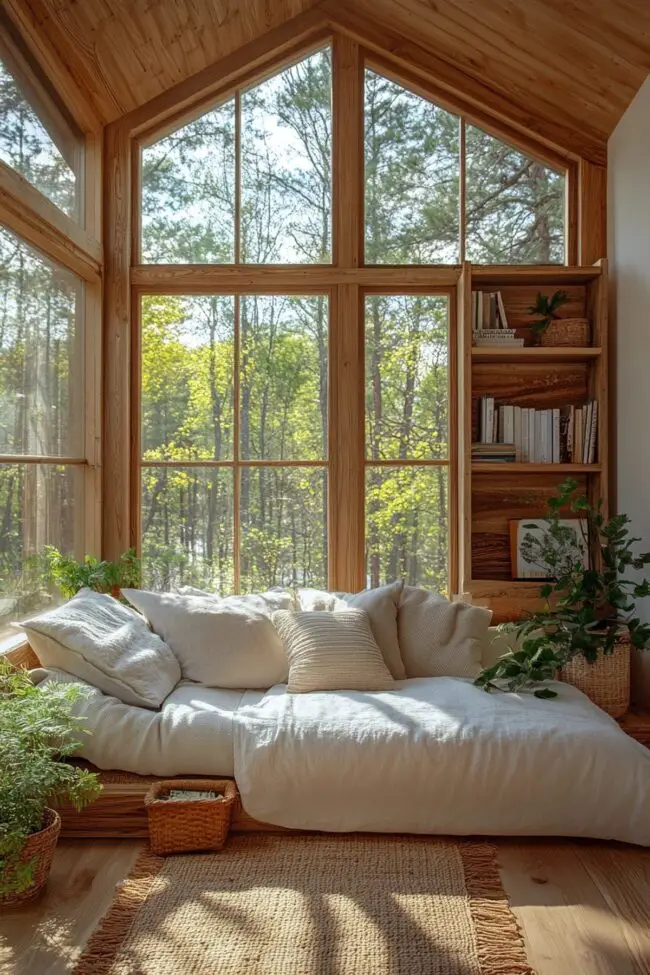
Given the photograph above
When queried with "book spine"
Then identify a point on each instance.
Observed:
(489, 420)
(587, 433)
(556, 436)
(594, 433)
(525, 452)
(501, 427)
(532, 429)
(517, 433)
(502, 311)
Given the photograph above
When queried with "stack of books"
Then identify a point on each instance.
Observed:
(565, 435)
(490, 322)
(495, 453)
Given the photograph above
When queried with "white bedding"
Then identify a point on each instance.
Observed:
(192, 733)
(439, 755)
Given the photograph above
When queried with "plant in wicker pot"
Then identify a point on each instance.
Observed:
(588, 623)
(551, 329)
(37, 730)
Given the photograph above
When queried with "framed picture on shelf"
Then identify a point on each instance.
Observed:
(526, 536)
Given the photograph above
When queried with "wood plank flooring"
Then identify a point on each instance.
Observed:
(584, 907)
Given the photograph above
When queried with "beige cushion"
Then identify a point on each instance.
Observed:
(218, 642)
(332, 651)
(380, 604)
(106, 644)
(438, 638)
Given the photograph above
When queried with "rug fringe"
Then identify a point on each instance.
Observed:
(500, 943)
(102, 949)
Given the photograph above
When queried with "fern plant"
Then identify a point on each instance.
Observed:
(102, 576)
(586, 610)
(37, 730)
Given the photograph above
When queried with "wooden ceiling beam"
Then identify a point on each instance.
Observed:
(472, 96)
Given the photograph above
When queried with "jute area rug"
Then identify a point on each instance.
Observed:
(312, 905)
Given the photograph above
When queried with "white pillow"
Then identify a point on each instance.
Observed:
(380, 604)
(106, 644)
(438, 638)
(332, 651)
(218, 642)
(264, 602)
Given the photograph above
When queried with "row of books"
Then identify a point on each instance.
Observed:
(488, 311)
(565, 435)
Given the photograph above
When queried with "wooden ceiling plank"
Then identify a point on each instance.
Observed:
(482, 49)
(247, 60)
(84, 111)
(465, 90)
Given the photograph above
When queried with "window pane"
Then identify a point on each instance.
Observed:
(41, 354)
(188, 193)
(407, 526)
(515, 205)
(286, 166)
(407, 377)
(186, 524)
(187, 377)
(27, 146)
(41, 505)
(283, 386)
(283, 527)
(411, 177)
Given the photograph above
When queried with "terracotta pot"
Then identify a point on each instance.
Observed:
(567, 331)
(39, 846)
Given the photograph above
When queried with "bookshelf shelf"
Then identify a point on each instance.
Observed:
(534, 354)
(492, 494)
(487, 467)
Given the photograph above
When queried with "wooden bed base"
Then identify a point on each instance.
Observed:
(119, 812)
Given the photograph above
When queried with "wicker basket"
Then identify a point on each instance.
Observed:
(567, 331)
(606, 682)
(39, 846)
(198, 824)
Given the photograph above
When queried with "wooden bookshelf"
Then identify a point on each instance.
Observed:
(491, 494)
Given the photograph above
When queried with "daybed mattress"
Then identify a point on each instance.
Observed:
(439, 755)
(191, 734)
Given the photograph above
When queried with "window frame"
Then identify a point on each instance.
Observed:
(348, 279)
(74, 245)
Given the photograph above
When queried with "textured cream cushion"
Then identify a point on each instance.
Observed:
(438, 638)
(101, 641)
(332, 651)
(380, 604)
(218, 642)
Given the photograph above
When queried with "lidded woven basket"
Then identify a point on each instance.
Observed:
(178, 826)
(567, 331)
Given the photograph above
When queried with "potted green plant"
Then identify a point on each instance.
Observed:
(38, 730)
(102, 576)
(551, 329)
(589, 619)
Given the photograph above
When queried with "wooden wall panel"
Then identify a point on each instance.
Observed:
(543, 386)
(592, 212)
(496, 501)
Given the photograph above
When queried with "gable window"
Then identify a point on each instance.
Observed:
(37, 138)
(512, 210)
(249, 181)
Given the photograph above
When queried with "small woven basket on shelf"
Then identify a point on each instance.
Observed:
(39, 847)
(567, 331)
(177, 826)
(607, 681)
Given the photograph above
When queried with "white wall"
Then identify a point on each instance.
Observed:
(629, 255)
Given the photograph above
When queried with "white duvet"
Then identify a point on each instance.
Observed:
(439, 755)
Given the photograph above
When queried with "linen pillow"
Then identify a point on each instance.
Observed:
(381, 605)
(101, 641)
(438, 638)
(332, 651)
(264, 602)
(218, 643)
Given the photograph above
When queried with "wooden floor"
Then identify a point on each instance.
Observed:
(584, 907)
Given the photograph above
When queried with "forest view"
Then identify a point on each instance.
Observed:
(234, 388)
